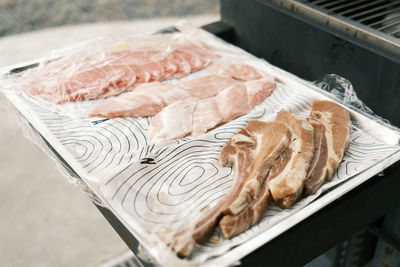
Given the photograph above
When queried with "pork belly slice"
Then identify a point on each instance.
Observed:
(242, 72)
(232, 102)
(332, 130)
(258, 139)
(232, 225)
(287, 177)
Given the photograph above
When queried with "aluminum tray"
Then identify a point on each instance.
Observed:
(381, 142)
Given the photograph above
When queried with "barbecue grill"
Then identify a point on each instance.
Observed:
(359, 40)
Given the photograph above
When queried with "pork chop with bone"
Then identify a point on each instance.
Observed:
(251, 153)
(331, 123)
(287, 177)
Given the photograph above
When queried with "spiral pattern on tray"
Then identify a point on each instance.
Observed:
(173, 183)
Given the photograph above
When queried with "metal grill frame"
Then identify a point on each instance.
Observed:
(364, 35)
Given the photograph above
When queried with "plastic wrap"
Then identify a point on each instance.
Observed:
(150, 187)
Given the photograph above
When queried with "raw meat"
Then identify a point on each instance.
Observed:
(232, 225)
(263, 143)
(332, 123)
(286, 179)
(230, 103)
(148, 99)
(111, 73)
(166, 126)
(241, 72)
(244, 153)
(205, 117)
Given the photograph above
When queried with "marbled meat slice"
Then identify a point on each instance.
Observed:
(183, 67)
(232, 102)
(170, 67)
(183, 241)
(265, 147)
(193, 60)
(91, 77)
(332, 123)
(287, 177)
(206, 86)
(241, 72)
(148, 99)
(259, 90)
(232, 225)
(174, 122)
(240, 152)
(227, 105)
(206, 116)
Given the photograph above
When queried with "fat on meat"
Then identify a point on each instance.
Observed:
(230, 103)
(287, 177)
(92, 77)
(241, 72)
(332, 126)
(244, 154)
(150, 98)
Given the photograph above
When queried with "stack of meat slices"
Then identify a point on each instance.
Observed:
(192, 106)
(279, 161)
(93, 76)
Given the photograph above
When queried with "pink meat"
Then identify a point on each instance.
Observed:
(159, 95)
(258, 90)
(91, 77)
(183, 67)
(205, 117)
(241, 72)
(230, 103)
(167, 126)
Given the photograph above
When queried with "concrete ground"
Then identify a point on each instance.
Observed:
(44, 220)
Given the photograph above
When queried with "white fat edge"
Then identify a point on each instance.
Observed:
(295, 146)
(173, 126)
(325, 119)
(306, 125)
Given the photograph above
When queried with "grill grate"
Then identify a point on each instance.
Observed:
(379, 15)
(373, 24)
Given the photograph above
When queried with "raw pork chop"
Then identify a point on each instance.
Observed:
(241, 72)
(232, 225)
(252, 149)
(286, 179)
(332, 125)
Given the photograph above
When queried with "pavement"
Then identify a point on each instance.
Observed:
(45, 221)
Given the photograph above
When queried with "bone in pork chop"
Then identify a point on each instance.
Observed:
(286, 179)
(251, 152)
(332, 126)
(232, 225)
